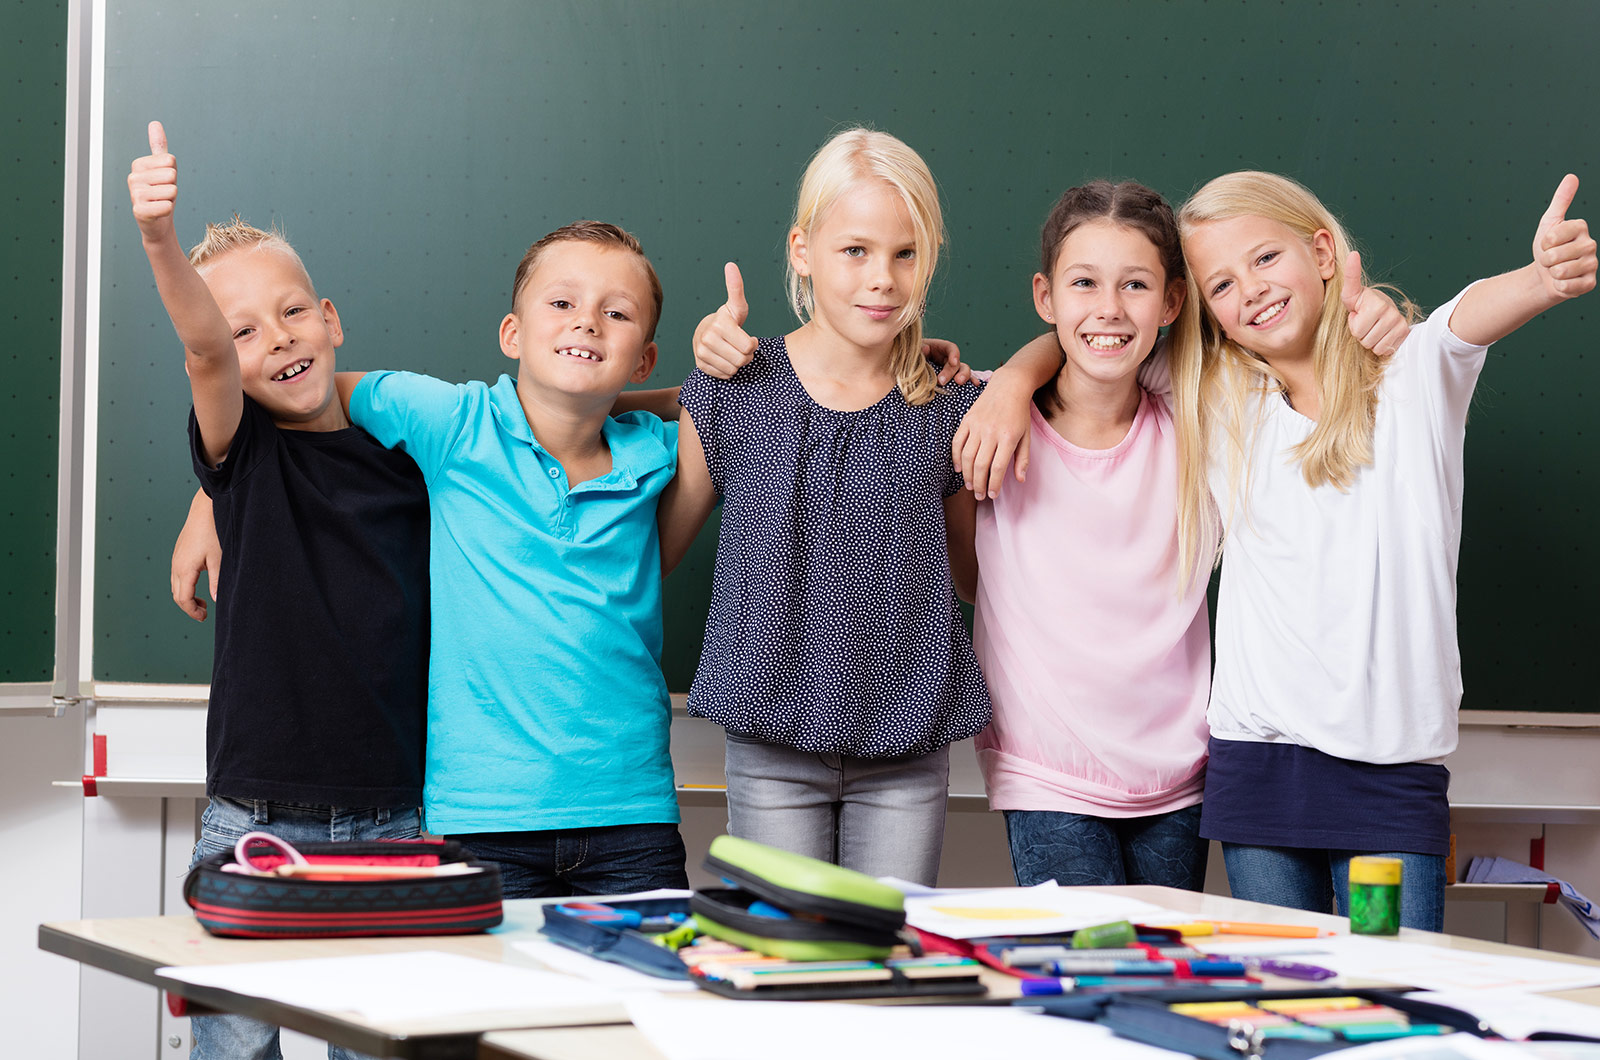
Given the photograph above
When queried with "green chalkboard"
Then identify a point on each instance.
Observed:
(33, 54)
(412, 150)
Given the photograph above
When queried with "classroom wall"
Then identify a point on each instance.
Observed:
(413, 155)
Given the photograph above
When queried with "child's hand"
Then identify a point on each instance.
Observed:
(946, 357)
(1375, 320)
(1563, 250)
(994, 430)
(197, 549)
(153, 187)
(721, 346)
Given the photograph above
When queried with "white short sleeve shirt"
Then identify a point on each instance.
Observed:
(1336, 618)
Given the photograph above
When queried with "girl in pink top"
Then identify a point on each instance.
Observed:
(1096, 651)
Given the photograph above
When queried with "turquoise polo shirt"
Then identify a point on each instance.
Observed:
(546, 703)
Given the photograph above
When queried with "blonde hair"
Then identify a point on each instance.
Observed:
(239, 234)
(851, 157)
(1227, 381)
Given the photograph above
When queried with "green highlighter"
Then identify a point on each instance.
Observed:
(1105, 936)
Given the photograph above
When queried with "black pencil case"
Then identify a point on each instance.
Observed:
(1144, 1017)
(238, 905)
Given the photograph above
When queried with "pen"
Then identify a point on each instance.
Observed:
(1068, 984)
(1173, 969)
(1041, 954)
(1235, 927)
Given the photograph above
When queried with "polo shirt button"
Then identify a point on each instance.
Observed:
(555, 472)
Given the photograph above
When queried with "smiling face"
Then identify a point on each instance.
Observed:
(582, 321)
(1108, 296)
(284, 335)
(861, 259)
(1263, 284)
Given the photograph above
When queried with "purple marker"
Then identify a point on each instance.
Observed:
(1288, 969)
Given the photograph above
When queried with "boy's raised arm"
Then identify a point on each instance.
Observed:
(1563, 267)
(212, 364)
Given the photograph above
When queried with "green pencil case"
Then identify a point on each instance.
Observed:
(791, 906)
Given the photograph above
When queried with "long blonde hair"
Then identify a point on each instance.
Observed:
(848, 159)
(1226, 382)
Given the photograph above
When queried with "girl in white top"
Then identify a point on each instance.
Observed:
(1338, 476)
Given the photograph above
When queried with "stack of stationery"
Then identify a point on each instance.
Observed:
(729, 970)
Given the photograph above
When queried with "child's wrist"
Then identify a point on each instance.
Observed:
(158, 240)
(1007, 383)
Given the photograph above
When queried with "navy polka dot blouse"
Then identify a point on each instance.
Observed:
(833, 626)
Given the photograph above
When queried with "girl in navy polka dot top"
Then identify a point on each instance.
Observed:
(835, 655)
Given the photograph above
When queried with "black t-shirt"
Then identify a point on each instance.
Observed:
(320, 677)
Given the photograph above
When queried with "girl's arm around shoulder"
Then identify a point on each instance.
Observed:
(997, 426)
(960, 525)
(1563, 267)
(688, 499)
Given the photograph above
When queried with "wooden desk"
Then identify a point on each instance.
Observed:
(136, 947)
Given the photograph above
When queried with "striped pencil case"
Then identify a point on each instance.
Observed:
(343, 890)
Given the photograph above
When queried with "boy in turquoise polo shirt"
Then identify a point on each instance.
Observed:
(547, 711)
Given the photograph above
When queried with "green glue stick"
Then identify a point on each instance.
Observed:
(1375, 896)
(1105, 936)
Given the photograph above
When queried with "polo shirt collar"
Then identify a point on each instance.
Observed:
(636, 450)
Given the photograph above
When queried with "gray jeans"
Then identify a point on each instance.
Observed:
(880, 816)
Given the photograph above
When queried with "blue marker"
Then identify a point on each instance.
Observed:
(1180, 969)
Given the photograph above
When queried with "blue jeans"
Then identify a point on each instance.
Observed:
(558, 862)
(880, 816)
(1319, 880)
(221, 824)
(1078, 850)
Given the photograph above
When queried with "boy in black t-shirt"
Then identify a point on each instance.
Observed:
(319, 682)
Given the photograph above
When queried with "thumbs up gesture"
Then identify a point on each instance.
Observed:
(153, 187)
(721, 345)
(1375, 320)
(1563, 250)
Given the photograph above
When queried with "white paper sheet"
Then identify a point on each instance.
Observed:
(1517, 1015)
(778, 1030)
(1426, 967)
(422, 985)
(1041, 910)
(1466, 1047)
(570, 962)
